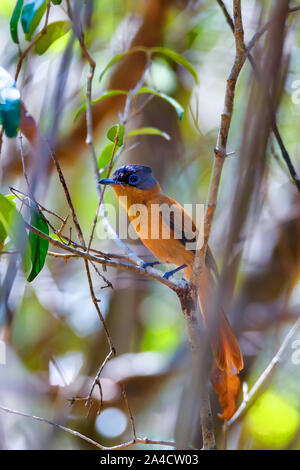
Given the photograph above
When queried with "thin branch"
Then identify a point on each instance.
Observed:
(108, 283)
(249, 396)
(124, 119)
(250, 45)
(226, 14)
(17, 192)
(68, 197)
(96, 381)
(221, 147)
(110, 165)
(130, 414)
(124, 445)
(82, 241)
(199, 260)
(174, 284)
(78, 32)
(90, 142)
(294, 9)
(22, 55)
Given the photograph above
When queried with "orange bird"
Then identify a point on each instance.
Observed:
(168, 239)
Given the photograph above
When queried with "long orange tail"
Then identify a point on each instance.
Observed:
(228, 356)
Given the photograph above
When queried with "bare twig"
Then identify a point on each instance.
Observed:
(130, 414)
(25, 197)
(199, 261)
(250, 45)
(174, 284)
(221, 147)
(124, 445)
(249, 396)
(90, 282)
(96, 381)
(294, 9)
(124, 118)
(22, 55)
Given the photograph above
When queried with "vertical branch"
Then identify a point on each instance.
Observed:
(221, 147)
(198, 343)
(200, 361)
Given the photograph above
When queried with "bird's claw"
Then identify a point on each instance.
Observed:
(149, 263)
(170, 273)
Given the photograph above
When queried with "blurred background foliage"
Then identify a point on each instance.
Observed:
(54, 339)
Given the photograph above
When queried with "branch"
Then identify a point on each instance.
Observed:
(138, 440)
(266, 373)
(22, 55)
(199, 260)
(199, 346)
(294, 9)
(124, 119)
(90, 282)
(132, 423)
(174, 284)
(221, 147)
(250, 45)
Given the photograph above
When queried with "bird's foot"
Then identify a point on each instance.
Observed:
(149, 263)
(170, 273)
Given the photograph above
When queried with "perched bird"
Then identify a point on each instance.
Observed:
(135, 187)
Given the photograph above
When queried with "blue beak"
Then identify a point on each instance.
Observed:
(107, 181)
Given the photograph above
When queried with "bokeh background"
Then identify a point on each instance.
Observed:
(54, 339)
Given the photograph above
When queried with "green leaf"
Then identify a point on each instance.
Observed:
(56, 2)
(106, 94)
(179, 59)
(13, 224)
(54, 31)
(39, 246)
(118, 57)
(148, 131)
(10, 110)
(178, 108)
(31, 16)
(15, 20)
(105, 156)
(116, 134)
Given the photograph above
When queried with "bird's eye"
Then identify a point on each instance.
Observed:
(134, 179)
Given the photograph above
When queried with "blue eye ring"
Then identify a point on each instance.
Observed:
(134, 179)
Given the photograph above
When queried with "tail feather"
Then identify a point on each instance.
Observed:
(227, 351)
(228, 357)
(223, 341)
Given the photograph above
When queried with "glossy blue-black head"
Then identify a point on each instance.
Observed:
(137, 176)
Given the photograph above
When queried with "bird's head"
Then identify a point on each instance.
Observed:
(131, 177)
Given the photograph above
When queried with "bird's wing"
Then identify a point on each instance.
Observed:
(184, 228)
(179, 221)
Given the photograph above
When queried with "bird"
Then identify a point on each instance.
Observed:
(136, 187)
